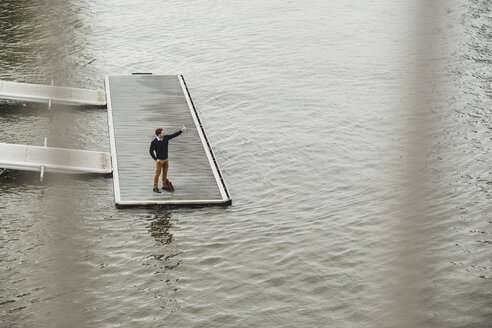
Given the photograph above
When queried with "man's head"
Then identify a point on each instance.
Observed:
(159, 132)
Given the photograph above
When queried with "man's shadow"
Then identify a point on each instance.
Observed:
(159, 227)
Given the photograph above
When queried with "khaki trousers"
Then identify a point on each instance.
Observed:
(161, 164)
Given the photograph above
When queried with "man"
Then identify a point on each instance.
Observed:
(159, 146)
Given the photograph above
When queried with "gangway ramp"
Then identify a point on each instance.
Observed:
(51, 94)
(139, 104)
(51, 159)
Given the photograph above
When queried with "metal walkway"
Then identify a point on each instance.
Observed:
(50, 159)
(137, 105)
(51, 94)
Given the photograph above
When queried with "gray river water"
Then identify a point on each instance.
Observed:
(354, 136)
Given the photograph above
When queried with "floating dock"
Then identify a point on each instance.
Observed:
(139, 104)
(51, 159)
(51, 94)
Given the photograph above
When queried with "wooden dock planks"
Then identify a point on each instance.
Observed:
(137, 105)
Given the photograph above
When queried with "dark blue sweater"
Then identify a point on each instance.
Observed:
(160, 147)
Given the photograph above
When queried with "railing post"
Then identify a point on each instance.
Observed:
(49, 100)
(41, 177)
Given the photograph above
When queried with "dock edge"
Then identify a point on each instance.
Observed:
(224, 191)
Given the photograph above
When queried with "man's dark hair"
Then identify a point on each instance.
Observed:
(158, 131)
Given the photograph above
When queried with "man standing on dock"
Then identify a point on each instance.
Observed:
(160, 145)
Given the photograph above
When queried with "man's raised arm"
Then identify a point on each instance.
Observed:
(176, 133)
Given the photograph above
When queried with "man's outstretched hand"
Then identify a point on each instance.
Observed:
(183, 129)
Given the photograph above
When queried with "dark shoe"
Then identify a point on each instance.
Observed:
(156, 190)
(166, 189)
